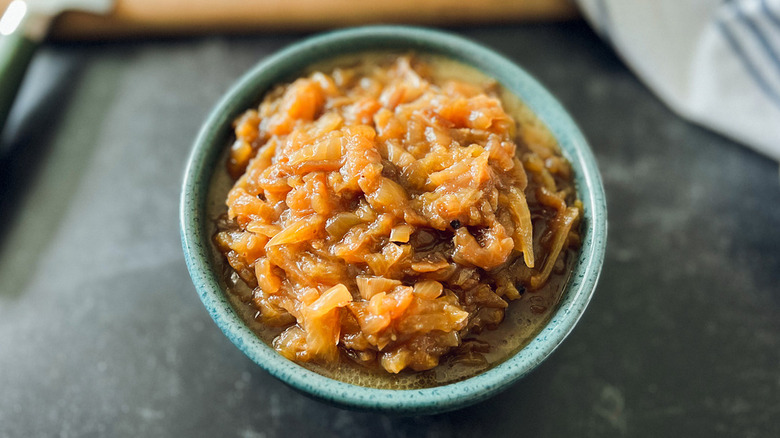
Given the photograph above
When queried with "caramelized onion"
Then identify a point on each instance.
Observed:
(382, 214)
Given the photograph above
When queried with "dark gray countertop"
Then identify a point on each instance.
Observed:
(102, 333)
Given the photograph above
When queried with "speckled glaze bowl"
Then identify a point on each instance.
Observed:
(204, 265)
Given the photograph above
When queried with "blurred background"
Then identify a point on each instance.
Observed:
(102, 333)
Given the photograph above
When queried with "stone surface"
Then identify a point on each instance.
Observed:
(102, 333)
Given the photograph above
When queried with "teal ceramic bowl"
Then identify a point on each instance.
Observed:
(204, 265)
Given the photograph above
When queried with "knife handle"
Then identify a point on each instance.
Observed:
(17, 46)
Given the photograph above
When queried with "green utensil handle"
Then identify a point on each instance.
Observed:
(16, 51)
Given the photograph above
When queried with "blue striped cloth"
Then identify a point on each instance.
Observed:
(714, 62)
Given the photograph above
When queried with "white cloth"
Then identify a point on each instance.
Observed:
(714, 62)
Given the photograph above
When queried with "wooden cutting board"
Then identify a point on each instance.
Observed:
(181, 17)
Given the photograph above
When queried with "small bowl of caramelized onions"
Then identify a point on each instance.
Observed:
(393, 219)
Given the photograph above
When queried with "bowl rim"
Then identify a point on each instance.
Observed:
(293, 59)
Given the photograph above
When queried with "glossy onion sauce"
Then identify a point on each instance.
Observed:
(394, 221)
